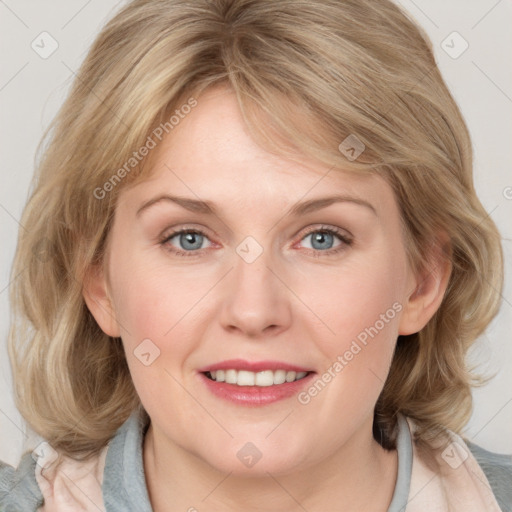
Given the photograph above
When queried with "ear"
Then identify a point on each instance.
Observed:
(96, 296)
(429, 287)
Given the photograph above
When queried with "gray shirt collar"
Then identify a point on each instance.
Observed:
(124, 483)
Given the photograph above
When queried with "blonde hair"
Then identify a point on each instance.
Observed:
(306, 76)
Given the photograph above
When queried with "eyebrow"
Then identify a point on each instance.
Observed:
(208, 208)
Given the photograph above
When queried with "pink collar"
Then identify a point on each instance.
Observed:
(445, 478)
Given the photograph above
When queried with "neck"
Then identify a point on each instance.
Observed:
(360, 475)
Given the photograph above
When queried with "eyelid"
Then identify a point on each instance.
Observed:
(169, 233)
(341, 233)
(183, 228)
(344, 236)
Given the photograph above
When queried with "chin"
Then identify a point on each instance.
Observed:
(254, 459)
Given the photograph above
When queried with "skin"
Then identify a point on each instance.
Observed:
(293, 303)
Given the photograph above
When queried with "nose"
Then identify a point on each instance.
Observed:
(256, 299)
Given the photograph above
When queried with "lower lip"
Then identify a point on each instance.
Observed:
(255, 395)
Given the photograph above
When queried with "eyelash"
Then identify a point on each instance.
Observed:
(346, 241)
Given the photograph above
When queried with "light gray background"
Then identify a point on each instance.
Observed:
(32, 89)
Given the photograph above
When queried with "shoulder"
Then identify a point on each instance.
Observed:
(498, 470)
(473, 475)
(18, 487)
(113, 477)
(49, 480)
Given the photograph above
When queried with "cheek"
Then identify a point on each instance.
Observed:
(150, 299)
(357, 357)
(369, 291)
(160, 311)
(151, 311)
(362, 307)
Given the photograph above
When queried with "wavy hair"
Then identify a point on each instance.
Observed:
(307, 74)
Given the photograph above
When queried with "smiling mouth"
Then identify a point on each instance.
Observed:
(264, 378)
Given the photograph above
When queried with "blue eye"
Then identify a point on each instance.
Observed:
(322, 240)
(190, 241)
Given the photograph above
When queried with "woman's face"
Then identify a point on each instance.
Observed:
(278, 271)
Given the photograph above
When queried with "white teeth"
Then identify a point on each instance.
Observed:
(264, 378)
(290, 376)
(280, 377)
(245, 378)
(231, 376)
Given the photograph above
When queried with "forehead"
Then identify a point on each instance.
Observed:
(211, 154)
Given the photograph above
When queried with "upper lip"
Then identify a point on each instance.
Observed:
(253, 366)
